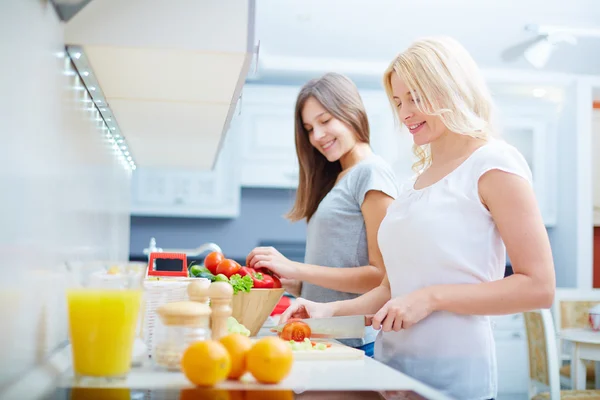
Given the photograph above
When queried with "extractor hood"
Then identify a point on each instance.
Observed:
(171, 72)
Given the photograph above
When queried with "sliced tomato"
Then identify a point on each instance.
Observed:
(296, 331)
(328, 345)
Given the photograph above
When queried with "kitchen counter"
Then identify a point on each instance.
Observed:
(306, 377)
(347, 375)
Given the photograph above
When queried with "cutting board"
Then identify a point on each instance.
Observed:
(337, 351)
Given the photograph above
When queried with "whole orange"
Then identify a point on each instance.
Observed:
(237, 346)
(206, 363)
(270, 360)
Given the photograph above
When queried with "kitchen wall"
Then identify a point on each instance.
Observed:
(63, 195)
(261, 219)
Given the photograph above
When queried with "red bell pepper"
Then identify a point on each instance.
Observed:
(246, 271)
(276, 282)
(262, 281)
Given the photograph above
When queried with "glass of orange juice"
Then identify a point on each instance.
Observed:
(103, 305)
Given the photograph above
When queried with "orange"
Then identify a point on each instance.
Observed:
(270, 360)
(206, 363)
(238, 346)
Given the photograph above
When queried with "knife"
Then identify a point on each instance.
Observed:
(347, 327)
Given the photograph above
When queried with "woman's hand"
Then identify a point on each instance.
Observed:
(403, 312)
(271, 259)
(302, 308)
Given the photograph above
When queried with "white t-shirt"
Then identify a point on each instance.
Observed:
(443, 234)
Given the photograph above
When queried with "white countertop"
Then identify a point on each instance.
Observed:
(354, 375)
(306, 376)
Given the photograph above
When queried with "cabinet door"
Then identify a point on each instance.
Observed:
(269, 154)
(596, 165)
(530, 137)
(269, 150)
(189, 193)
(511, 354)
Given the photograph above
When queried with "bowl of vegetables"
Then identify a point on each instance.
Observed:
(255, 293)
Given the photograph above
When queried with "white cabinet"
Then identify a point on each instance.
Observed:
(268, 154)
(511, 354)
(596, 164)
(191, 193)
(533, 138)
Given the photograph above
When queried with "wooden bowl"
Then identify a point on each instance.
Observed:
(252, 309)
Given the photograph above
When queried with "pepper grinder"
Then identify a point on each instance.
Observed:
(220, 294)
(197, 291)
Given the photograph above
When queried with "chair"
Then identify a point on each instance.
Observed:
(544, 362)
(570, 310)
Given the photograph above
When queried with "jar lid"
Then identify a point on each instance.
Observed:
(185, 313)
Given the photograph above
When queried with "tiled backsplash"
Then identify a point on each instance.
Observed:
(63, 195)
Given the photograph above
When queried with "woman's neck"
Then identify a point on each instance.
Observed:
(452, 146)
(359, 152)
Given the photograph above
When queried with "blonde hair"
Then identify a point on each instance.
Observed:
(339, 96)
(443, 75)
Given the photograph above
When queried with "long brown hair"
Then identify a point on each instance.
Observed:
(340, 97)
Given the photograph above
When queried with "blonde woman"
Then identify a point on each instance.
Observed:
(444, 239)
(343, 193)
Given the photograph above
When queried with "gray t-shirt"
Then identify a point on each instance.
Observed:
(336, 233)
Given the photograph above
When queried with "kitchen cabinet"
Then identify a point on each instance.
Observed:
(173, 192)
(511, 355)
(268, 153)
(596, 164)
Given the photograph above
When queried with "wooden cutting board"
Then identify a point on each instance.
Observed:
(337, 351)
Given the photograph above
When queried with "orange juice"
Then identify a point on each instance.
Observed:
(102, 324)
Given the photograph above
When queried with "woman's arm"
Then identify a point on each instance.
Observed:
(352, 280)
(513, 206)
(366, 304)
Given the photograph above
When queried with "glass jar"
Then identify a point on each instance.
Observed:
(181, 324)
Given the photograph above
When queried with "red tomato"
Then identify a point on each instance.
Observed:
(211, 262)
(296, 331)
(276, 282)
(246, 271)
(228, 267)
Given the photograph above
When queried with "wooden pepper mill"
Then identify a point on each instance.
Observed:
(221, 294)
(197, 291)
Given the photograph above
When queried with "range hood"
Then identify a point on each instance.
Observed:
(171, 72)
